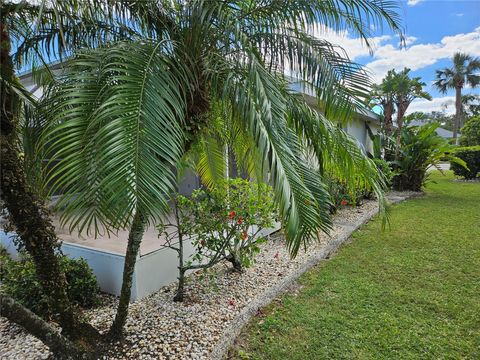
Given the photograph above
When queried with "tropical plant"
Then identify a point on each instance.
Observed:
(420, 149)
(406, 90)
(383, 96)
(465, 71)
(20, 281)
(38, 31)
(223, 224)
(471, 132)
(471, 156)
(117, 130)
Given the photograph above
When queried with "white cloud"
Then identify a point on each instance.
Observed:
(419, 56)
(413, 2)
(387, 55)
(459, 14)
(445, 103)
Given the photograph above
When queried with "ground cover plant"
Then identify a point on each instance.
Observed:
(410, 292)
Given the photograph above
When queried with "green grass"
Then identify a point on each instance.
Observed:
(410, 292)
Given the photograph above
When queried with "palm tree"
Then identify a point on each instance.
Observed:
(122, 116)
(406, 90)
(39, 31)
(465, 71)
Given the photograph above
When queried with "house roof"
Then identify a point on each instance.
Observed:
(446, 134)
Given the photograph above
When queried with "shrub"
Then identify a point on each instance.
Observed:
(19, 280)
(420, 148)
(385, 170)
(223, 224)
(471, 132)
(471, 156)
(341, 194)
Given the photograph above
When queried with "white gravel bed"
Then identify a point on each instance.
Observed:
(159, 328)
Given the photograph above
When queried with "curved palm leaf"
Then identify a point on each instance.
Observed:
(116, 132)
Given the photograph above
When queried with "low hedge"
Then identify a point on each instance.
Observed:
(19, 280)
(471, 156)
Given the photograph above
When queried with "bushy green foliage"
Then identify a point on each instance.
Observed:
(471, 132)
(420, 148)
(386, 170)
(471, 156)
(224, 222)
(19, 280)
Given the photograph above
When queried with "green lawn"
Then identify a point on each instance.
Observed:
(410, 292)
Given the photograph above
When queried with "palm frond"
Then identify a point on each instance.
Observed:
(116, 134)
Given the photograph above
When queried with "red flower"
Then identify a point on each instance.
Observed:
(240, 220)
(231, 214)
(244, 235)
(277, 256)
(344, 202)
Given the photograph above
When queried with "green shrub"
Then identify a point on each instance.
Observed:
(471, 132)
(19, 280)
(341, 194)
(386, 170)
(471, 156)
(420, 148)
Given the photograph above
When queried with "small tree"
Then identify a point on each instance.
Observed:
(223, 224)
(420, 148)
(471, 132)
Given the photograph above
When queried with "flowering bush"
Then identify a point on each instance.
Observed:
(223, 224)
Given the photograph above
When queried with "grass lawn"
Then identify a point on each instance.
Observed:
(410, 292)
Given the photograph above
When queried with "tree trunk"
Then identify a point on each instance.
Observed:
(179, 295)
(133, 246)
(388, 114)
(402, 108)
(458, 112)
(60, 346)
(26, 210)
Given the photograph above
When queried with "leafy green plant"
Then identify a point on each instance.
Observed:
(471, 157)
(20, 281)
(222, 223)
(385, 170)
(471, 132)
(420, 148)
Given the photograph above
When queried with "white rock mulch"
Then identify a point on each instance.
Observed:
(218, 303)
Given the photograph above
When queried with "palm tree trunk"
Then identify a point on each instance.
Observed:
(133, 246)
(26, 210)
(458, 112)
(60, 346)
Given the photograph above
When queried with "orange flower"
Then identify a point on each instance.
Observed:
(344, 202)
(231, 214)
(244, 235)
(240, 220)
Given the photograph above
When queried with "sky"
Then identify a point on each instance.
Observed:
(435, 30)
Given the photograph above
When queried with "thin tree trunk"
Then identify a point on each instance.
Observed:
(60, 346)
(402, 108)
(26, 211)
(458, 112)
(134, 240)
(179, 295)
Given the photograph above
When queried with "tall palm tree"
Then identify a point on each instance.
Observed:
(406, 90)
(122, 116)
(465, 71)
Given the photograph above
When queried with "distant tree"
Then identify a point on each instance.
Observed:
(471, 132)
(382, 95)
(465, 71)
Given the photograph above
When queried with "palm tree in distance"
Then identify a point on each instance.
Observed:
(465, 71)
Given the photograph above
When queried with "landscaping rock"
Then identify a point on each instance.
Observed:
(215, 308)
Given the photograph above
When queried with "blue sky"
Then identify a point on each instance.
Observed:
(435, 29)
